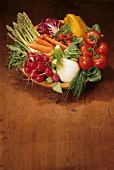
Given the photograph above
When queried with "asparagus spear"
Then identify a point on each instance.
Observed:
(23, 32)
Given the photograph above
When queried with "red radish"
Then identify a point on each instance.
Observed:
(38, 58)
(41, 66)
(48, 71)
(55, 77)
(39, 78)
(45, 58)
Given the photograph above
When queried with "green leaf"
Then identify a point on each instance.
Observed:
(57, 87)
(57, 53)
(77, 40)
(49, 80)
(87, 29)
(93, 74)
(64, 30)
(17, 57)
(72, 51)
(96, 27)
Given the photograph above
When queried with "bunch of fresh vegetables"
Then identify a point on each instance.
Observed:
(57, 52)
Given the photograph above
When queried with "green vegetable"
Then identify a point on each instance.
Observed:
(57, 87)
(72, 51)
(66, 68)
(78, 84)
(17, 57)
(95, 27)
(23, 31)
(93, 74)
(49, 80)
(64, 30)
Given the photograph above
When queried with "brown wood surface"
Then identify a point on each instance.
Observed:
(38, 129)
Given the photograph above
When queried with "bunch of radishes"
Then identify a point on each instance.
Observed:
(39, 68)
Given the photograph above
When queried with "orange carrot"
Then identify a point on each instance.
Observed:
(48, 54)
(41, 36)
(43, 42)
(53, 41)
(41, 48)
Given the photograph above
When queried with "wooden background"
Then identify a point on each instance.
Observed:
(38, 129)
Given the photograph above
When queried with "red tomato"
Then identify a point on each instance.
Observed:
(100, 61)
(69, 36)
(86, 50)
(60, 36)
(85, 62)
(92, 38)
(102, 49)
(68, 42)
(61, 41)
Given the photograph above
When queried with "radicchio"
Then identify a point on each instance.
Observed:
(49, 26)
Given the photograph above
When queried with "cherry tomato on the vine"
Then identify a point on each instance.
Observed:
(103, 48)
(61, 36)
(69, 36)
(100, 61)
(85, 62)
(86, 50)
(61, 41)
(92, 38)
(68, 42)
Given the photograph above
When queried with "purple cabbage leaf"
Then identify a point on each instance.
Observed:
(49, 26)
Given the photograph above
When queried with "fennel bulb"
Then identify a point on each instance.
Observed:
(67, 69)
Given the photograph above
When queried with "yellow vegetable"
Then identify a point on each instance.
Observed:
(65, 20)
(82, 22)
(76, 23)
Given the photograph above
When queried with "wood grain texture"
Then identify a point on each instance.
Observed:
(38, 129)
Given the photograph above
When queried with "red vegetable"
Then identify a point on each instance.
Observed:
(49, 26)
(39, 78)
(103, 48)
(100, 61)
(69, 36)
(68, 42)
(86, 50)
(92, 38)
(48, 71)
(61, 36)
(85, 62)
(42, 29)
(55, 77)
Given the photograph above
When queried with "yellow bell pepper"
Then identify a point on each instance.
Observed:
(82, 22)
(76, 23)
(65, 20)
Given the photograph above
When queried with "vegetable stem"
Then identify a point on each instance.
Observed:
(19, 42)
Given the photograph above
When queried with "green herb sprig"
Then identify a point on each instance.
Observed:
(78, 84)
